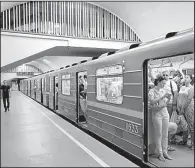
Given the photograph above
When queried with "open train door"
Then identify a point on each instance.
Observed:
(27, 87)
(41, 90)
(55, 93)
(81, 97)
(35, 88)
(30, 88)
(164, 127)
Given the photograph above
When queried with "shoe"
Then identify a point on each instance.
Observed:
(8, 109)
(161, 158)
(170, 148)
(5, 110)
(167, 156)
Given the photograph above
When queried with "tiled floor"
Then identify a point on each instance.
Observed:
(29, 138)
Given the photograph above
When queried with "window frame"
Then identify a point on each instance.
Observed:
(110, 76)
(67, 78)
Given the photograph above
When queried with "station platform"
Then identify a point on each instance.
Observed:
(32, 135)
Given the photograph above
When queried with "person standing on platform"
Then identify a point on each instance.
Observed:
(6, 95)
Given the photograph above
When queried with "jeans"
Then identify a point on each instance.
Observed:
(160, 121)
(4, 102)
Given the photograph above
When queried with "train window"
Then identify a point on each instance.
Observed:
(66, 84)
(109, 86)
(109, 89)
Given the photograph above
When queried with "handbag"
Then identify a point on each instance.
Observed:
(181, 123)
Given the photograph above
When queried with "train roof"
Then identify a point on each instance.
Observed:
(132, 46)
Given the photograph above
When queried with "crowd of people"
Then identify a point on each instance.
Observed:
(171, 102)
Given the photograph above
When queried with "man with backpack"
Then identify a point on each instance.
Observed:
(171, 88)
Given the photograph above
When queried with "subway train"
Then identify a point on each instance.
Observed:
(116, 91)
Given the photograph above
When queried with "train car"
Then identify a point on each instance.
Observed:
(115, 105)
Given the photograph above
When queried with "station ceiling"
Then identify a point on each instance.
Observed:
(148, 19)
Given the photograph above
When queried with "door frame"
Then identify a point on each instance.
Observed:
(77, 97)
(145, 103)
(41, 90)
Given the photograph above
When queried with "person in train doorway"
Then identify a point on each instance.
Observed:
(185, 106)
(172, 89)
(6, 95)
(159, 99)
(56, 96)
(82, 94)
(18, 82)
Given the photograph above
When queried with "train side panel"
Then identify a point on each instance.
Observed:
(67, 103)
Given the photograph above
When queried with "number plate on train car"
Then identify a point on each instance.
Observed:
(131, 127)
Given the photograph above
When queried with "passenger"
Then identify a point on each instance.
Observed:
(158, 99)
(81, 88)
(178, 78)
(185, 106)
(85, 82)
(171, 88)
(6, 95)
(82, 94)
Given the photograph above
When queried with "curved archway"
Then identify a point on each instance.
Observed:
(70, 19)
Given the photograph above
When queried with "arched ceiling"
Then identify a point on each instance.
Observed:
(148, 19)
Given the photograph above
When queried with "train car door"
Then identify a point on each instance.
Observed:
(165, 131)
(81, 80)
(30, 88)
(41, 90)
(27, 87)
(35, 88)
(55, 93)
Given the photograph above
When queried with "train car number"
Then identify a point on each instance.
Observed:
(132, 128)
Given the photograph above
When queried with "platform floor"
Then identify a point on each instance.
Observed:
(31, 135)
